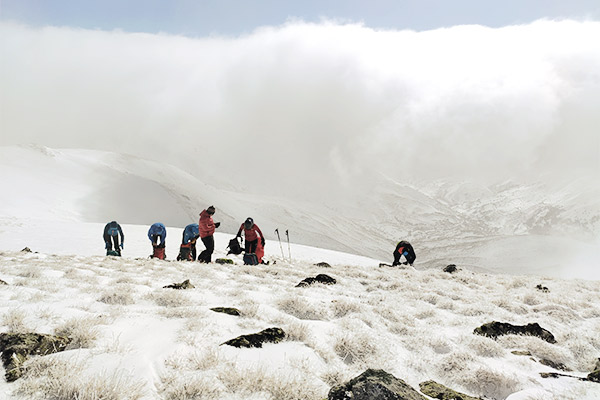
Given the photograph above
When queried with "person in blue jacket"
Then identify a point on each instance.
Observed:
(157, 231)
(112, 230)
(191, 234)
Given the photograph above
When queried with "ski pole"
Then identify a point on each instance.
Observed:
(280, 246)
(288, 240)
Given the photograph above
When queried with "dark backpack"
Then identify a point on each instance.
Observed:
(234, 246)
(250, 259)
(184, 253)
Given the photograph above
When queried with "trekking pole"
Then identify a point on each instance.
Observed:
(280, 246)
(288, 240)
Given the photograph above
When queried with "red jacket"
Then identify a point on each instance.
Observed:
(206, 225)
(250, 234)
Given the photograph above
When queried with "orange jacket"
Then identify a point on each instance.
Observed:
(206, 225)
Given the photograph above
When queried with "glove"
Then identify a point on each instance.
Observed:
(217, 224)
(122, 244)
(262, 242)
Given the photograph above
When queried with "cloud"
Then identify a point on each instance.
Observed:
(316, 109)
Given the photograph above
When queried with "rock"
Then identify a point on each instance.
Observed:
(495, 329)
(17, 347)
(594, 376)
(321, 278)
(552, 364)
(224, 261)
(183, 285)
(270, 335)
(227, 310)
(2, 282)
(450, 268)
(521, 353)
(542, 288)
(323, 265)
(441, 392)
(597, 366)
(26, 250)
(374, 384)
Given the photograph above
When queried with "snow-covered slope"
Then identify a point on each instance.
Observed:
(135, 340)
(523, 228)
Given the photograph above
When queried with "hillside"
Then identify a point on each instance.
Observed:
(508, 227)
(133, 339)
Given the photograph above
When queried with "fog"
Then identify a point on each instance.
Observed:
(316, 109)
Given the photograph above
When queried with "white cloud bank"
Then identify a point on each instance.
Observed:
(304, 106)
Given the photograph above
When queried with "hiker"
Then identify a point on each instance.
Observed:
(187, 250)
(157, 231)
(206, 229)
(250, 233)
(404, 249)
(111, 235)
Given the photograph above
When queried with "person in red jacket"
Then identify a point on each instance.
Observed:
(250, 232)
(206, 229)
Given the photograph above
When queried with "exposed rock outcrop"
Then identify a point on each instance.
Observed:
(2, 282)
(183, 285)
(441, 392)
(17, 347)
(495, 329)
(374, 384)
(321, 278)
(323, 265)
(270, 335)
(227, 310)
(450, 268)
(542, 288)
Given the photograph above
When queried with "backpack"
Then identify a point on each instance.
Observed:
(184, 253)
(250, 259)
(159, 252)
(234, 246)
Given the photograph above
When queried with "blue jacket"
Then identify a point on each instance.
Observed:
(113, 229)
(191, 231)
(157, 229)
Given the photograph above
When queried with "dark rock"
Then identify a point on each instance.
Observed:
(2, 282)
(542, 288)
(597, 366)
(227, 310)
(270, 335)
(552, 364)
(495, 329)
(450, 268)
(441, 392)
(17, 347)
(321, 278)
(594, 376)
(26, 250)
(183, 285)
(224, 261)
(521, 353)
(374, 384)
(323, 265)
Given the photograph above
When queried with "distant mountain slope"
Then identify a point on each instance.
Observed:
(94, 186)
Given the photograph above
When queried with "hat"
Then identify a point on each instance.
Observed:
(211, 210)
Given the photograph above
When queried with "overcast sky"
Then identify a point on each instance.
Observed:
(235, 17)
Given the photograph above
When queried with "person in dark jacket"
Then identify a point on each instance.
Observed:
(187, 250)
(157, 231)
(251, 233)
(405, 249)
(112, 230)
(206, 229)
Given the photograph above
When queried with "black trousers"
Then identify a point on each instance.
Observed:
(109, 243)
(410, 257)
(206, 255)
(250, 247)
(155, 241)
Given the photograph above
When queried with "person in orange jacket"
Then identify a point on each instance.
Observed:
(206, 229)
(251, 233)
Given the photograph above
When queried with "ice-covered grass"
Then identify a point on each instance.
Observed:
(134, 337)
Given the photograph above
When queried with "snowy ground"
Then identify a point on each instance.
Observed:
(134, 339)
